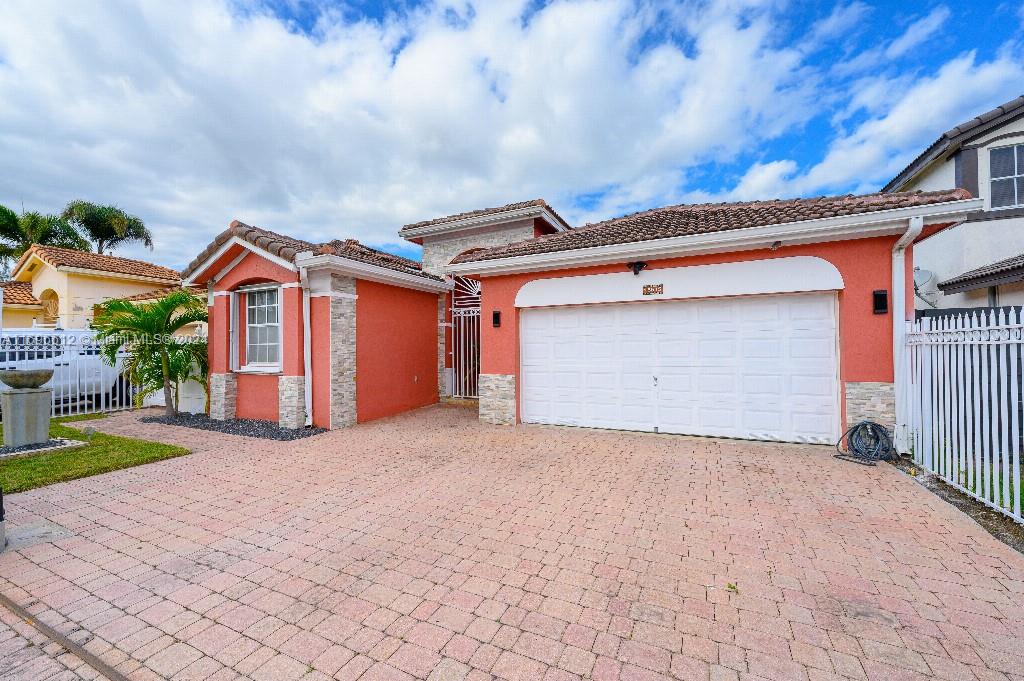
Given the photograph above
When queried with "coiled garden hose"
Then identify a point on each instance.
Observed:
(866, 443)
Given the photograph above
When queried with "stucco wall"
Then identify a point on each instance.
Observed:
(396, 349)
(85, 292)
(20, 319)
(968, 246)
(865, 338)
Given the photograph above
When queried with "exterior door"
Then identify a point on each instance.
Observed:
(758, 367)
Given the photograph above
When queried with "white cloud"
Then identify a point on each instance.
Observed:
(193, 113)
(918, 32)
(196, 112)
(876, 149)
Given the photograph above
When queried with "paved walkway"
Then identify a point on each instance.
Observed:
(430, 546)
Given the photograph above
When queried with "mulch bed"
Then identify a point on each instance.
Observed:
(246, 427)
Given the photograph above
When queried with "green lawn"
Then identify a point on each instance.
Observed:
(104, 453)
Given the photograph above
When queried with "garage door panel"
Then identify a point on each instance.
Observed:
(757, 367)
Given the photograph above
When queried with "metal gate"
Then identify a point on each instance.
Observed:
(466, 338)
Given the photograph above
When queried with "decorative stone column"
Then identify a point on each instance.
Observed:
(498, 399)
(871, 401)
(343, 351)
(291, 401)
(26, 416)
(223, 396)
(442, 309)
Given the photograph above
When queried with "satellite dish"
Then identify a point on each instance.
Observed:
(926, 286)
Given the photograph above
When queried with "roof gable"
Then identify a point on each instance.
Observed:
(285, 249)
(952, 139)
(481, 216)
(64, 259)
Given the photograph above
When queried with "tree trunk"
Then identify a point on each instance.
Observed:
(165, 363)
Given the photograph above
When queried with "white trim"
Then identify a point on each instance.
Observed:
(798, 274)
(233, 330)
(264, 286)
(259, 369)
(265, 367)
(360, 270)
(486, 220)
(307, 350)
(899, 328)
(237, 241)
(218, 294)
(880, 223)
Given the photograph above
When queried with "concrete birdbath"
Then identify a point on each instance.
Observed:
(26, 406)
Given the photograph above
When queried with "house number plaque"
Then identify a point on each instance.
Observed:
(653, 289)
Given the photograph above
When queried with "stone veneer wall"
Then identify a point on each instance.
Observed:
(871, 401)
(442, 306)
(439, 251)
(291, 401)
(343, 352)
(498, 399)
(223, 396)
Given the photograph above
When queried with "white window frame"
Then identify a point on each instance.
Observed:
(1018, 174)
(236, 321)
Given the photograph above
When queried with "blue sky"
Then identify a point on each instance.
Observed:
(348, 119)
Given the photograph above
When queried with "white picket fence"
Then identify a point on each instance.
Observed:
(82, 381)
(963, 403)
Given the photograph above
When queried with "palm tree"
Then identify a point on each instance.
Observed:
(19, 232)
(107, 226)
(156, 358)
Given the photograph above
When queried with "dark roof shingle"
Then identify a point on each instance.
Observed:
(982, 274)
(691, 219)
(66, 257)
(480, 212)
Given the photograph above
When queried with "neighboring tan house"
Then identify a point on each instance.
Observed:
(53, 286)
(154, 295)
(765, 320)
(971, 265)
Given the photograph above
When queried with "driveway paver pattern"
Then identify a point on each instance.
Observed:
(430, 546)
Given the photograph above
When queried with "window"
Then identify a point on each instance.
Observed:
(1007, 173)
(263, 330)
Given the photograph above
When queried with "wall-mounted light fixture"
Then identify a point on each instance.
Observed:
(496, 318)
(637, 266)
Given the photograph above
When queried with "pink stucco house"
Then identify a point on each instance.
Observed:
(772, 320)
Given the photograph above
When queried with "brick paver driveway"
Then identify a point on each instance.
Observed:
(429, 546)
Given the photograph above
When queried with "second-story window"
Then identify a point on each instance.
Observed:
(1006, 165)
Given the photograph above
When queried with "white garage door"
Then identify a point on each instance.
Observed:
(759, 367)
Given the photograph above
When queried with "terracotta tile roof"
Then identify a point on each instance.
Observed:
(66, 257)
(287, 248)
(18, 293)
(1004, 271)
(276, 244)
(691, 219)
(541, 203)
(957, 135)
(353, 250)
(161, 292)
